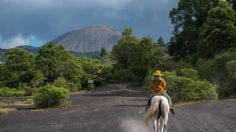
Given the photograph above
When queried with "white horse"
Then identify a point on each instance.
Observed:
(158, 109)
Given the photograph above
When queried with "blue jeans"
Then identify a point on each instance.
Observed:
(169, 99)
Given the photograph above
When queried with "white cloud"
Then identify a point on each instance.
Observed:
(164, 1)
(15, 41)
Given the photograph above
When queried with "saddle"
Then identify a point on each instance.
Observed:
(151, 96)
(169, 101)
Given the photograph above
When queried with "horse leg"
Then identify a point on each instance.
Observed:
(161, 124)
(155, 124)
(165, 122)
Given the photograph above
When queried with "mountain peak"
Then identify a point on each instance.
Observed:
(89, 39)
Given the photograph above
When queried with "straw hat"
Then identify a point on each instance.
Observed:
(157, 73)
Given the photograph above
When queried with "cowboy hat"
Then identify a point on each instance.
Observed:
(157, 73)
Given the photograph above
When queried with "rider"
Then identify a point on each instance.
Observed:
(158, 87)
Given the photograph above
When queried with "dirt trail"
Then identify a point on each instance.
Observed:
(119, 108)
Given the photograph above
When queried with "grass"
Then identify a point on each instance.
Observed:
(11, 92)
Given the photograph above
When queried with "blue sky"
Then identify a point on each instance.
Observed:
(34, 22)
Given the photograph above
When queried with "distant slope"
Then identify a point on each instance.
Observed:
(89, 39)
(35, 51)
(31, 49)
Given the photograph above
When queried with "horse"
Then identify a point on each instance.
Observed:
(158, 109)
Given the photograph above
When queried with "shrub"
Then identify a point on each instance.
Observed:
(72, 86)
(51, 96)
(29, 91)
(177, 86)
(11, 92)
(120, 75)
(221, 71)
(189, 73)
(61, 82)
(186, 87)
(202, 90)
(29, 101)
(231, 67)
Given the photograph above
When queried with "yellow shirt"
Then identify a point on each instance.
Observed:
(158, 86)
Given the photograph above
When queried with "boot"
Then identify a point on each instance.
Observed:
(172, 110)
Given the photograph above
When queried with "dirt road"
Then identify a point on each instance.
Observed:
(119, 108)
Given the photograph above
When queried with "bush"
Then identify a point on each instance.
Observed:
(120, 75)
(61, 82)
(72, 86)
(187, 89)
(29, 101)
(184, 88)
(51, 96)
(29, 91)
(231, 67)
(11, 92)
(221, 71)
(189, 73)
(202, 90)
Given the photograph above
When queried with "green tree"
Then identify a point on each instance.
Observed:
(233, 3)
(125, 49)
(149, 55)
(220, 71)
(161, 41)
(103, 52)
(54, 62)
(187, 18)
(218, 32)
(19, 60)
(19, 68)
(136, 56)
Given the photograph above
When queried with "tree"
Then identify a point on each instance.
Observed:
(136, 56)
(103, 52)
(233, 3)
(161, 41)
(124, 50)
(18, 67)
(54, 62)
(187, 18)
(19, 60)
(218, 32)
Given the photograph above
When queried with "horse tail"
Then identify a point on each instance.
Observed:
(148, 103)
(159, 113)
(152, 110)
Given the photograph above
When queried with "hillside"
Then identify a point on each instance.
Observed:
(89, 39)
(35, 50)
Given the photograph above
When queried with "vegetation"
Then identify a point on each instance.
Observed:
(51, 96)
(11, 92)
(183, 87)
(199, 61)
(204, 37)
(135, 56)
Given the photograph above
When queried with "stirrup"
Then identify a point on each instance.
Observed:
(172, 111)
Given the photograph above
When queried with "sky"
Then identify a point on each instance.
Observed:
(35, 22)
